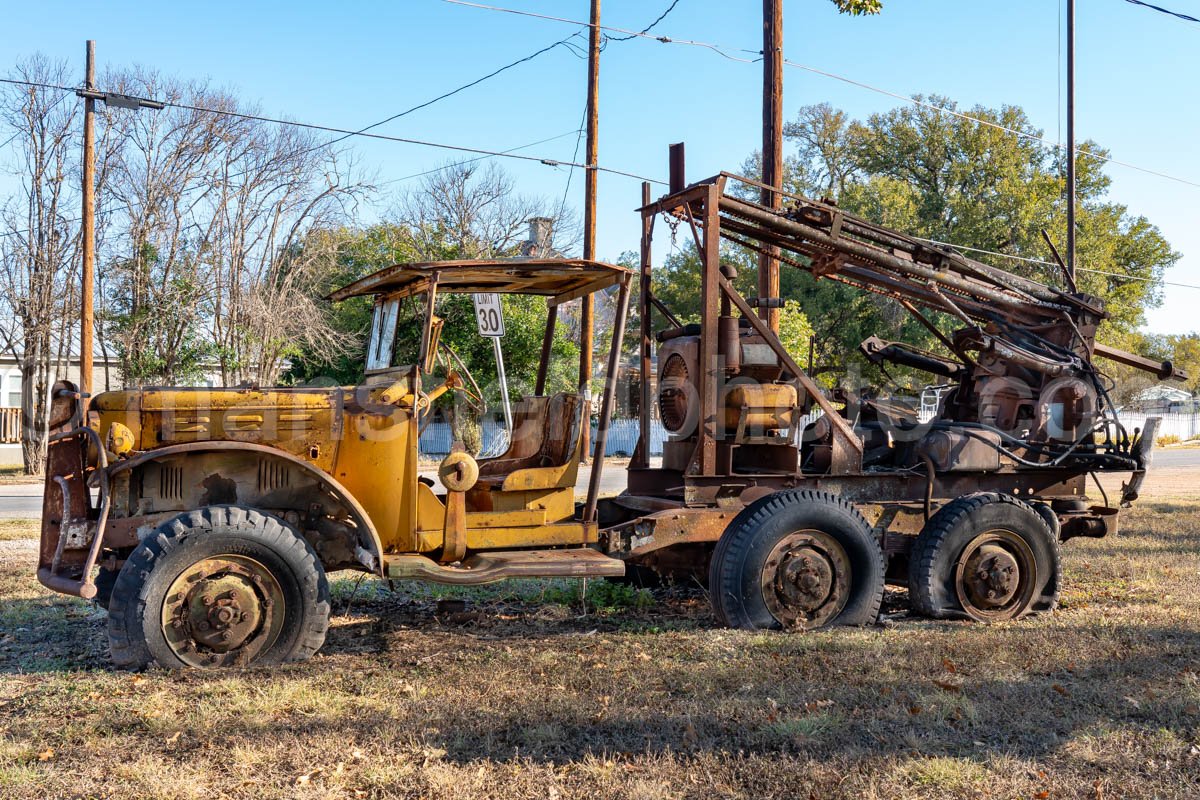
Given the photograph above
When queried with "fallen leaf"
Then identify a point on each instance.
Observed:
(46, 754)
(948, 686)
(1042, 795)
(914, 710)
(308, 776)
(358, 755)
(173, 738)
(136, 680)
(1058, 687)
(949, 665)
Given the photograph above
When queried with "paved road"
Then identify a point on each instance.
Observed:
(24, 501)
(21, 501)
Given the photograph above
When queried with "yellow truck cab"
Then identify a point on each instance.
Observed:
(205, 520)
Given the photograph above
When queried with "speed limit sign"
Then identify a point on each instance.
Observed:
(489, 314)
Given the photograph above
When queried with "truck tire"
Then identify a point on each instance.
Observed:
(987, 557)
(219, 586)
(796, 559)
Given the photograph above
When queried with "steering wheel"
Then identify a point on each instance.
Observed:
(458, 378)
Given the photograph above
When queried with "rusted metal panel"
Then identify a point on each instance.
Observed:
(551, 277)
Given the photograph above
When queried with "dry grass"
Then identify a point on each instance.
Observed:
(18, 529)
(526, 696)
(15, 473)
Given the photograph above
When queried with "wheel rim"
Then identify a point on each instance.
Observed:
(806, 579)
(222, 611)
(995, 576)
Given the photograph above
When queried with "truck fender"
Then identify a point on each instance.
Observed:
(368, 535)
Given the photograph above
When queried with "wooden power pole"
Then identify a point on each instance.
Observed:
(589, 214)
(1071, 139)
(772, 151)
(87, 321)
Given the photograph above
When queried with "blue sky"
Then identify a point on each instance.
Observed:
(351, 64)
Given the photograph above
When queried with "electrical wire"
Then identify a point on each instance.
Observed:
(1161, 10)
(723, 52)
(1042, 262)
(384, 137)
(477, 158)
(49, 108)
(646, 29)
(484, 153)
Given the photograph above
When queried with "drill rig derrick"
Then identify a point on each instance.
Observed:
(1023, 414)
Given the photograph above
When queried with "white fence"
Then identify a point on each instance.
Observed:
(436, 439)
(1185, 426)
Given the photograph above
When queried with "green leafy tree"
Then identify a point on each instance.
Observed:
(942, 177)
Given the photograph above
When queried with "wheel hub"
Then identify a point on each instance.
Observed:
(222, 610)
(995, 576)
(805, 579)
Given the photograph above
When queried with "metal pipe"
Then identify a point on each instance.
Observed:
(876, 255)
(641, 457)
(504, 401)
(606, 406)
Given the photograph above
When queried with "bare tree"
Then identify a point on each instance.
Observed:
(158, 185)
(276, 188)
(38, 250)
(207, 259)
(468, 210)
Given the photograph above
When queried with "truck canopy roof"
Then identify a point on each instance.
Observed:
(560, 279)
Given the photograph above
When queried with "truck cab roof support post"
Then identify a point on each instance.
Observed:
(610, 392)
(424, 365)
(547, 350)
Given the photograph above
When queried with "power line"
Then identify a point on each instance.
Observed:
(722, 51)
(1045, 263)
(1161, 10)
(348, 133)
(477, 158)
(464, 87)
(648, 28)
(383, 137)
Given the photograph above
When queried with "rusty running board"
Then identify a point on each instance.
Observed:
(576, 562)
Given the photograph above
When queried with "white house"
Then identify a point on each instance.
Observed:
(10, 396)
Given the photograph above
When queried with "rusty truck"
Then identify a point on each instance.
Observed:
(206, 520)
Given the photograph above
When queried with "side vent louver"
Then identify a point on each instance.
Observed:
(170, 482)
(273, 475)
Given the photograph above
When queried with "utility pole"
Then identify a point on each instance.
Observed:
(589, 217)
(1071, 139)
(87, 321)
(772, 151)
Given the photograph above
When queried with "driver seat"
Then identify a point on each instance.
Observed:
(545, 436)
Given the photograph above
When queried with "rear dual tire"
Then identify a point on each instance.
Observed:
(986, 556)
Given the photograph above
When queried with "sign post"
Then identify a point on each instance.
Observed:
(489, 314)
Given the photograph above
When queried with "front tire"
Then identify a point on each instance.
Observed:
(798, 559)
(220, 586)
